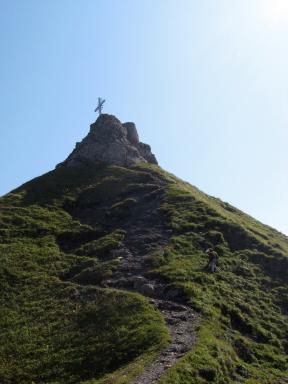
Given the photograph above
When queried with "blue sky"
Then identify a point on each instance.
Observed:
(205, 81)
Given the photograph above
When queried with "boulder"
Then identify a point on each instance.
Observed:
(132, 134)
(145, 151)
(147, 289)
(138, 282)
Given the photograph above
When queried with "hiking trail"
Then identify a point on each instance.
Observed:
(180, 319)
(146, 233)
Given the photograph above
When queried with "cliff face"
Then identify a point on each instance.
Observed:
(111, 142)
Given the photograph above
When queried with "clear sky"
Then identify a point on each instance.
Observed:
(205, 81)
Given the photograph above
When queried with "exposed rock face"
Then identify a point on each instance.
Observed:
(111, 142)
(132, 134)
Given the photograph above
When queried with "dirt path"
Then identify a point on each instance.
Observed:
(147, 232)
(180, 319)
(181, 322)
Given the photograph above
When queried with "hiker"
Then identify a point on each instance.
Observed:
(213, 257)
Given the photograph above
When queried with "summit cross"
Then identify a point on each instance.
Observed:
(100, 105)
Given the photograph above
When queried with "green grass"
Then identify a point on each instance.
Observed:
(58, 234)
(53, 330)
(244, 334)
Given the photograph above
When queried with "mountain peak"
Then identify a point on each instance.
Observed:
(111, 142)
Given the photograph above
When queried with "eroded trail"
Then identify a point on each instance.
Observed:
(181, 322)
(147, 232)
(180, 319)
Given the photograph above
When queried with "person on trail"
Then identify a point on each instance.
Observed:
(213, 257)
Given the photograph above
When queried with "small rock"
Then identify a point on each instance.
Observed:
(147, 289)
(172, 321)
(172, 306)
(138, 282)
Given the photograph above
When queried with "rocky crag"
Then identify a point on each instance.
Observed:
(111, 142)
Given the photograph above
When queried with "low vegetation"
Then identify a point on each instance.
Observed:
(55, 327)
(244, 333)
(59, 236)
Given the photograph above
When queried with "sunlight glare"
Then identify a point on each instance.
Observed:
(277, 12)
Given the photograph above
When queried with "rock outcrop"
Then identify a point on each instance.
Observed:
(111, 142)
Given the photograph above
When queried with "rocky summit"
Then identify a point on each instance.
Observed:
(111, 142)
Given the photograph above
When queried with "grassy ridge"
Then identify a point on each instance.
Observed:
(58, 326)
(244, 335)
(54, 330)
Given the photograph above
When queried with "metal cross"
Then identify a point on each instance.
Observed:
(100, 105)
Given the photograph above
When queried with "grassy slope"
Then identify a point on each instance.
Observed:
(244, 336)
(54, 330)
